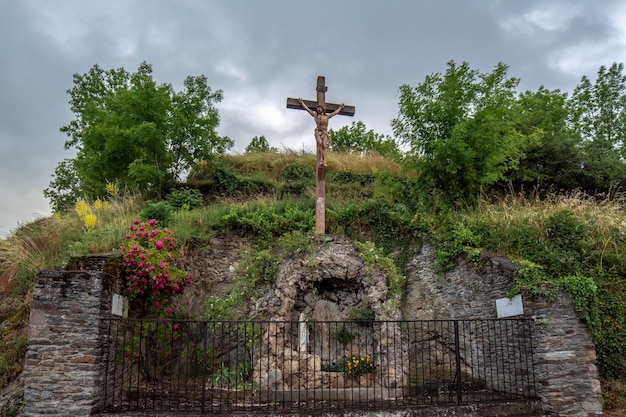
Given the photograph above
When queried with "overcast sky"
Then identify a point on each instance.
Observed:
(259, 52)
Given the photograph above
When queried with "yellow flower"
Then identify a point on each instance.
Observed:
(112, 189)
(90, 220)
(98, 204)
(82, 209)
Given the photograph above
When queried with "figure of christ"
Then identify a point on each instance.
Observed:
(321, 131)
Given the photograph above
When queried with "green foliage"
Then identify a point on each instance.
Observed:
(583, 292)
(452, 240)
(567, 243)
(353, 365)
(161, 211)
(357, 139)
(264, 221)
(185, 199)
(296, 180)
(534, 280)
(347, 177)
(555, 161)
(219, 178)
(257, 269)
(221, 308)
(357, 365)
(226, 376)
(344, 335)
(64, 189)
(259, 144)
(389, 225)
(374, 257)
(129, 129)
(462, 131)
(361, 314)
(597, 114)
(295, 242)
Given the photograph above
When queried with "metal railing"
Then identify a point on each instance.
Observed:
(213, 367)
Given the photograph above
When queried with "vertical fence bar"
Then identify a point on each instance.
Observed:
(457, 358)
(205, 342)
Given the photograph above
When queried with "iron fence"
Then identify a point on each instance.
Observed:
(213, 367)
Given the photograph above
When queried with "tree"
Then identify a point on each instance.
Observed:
(130, 130)
(63, 190)
(357, 138)
(597, 113)
(554, 162)
(462, 129)
(259, 144)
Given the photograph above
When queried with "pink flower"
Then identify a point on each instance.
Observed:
(157, 304)
(175, 327)
(170, 311)
(158, 244)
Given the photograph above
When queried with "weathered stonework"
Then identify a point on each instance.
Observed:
(565, 369)
(324, 289)
(63, 375)
(63, 371)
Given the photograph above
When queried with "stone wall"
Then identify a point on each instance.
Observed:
(63, 371)
(565, 370)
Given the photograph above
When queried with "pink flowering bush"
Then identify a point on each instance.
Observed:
(149, 260)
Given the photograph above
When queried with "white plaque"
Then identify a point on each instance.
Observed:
(507, 307)
(119, 305)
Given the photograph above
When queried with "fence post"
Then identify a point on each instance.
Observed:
(457, 356)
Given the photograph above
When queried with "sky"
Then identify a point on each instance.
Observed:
(259, 52)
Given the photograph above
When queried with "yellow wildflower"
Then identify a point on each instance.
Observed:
(82, 208)
(112, 189)
(90, 220)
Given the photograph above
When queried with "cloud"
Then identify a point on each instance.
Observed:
(555, 16)
(586, 56)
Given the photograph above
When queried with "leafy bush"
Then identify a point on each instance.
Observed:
(185, 199)
(161, 211)
(149, 264)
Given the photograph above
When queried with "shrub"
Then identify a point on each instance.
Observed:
(149, 264)
(185, 199)
(161, 211)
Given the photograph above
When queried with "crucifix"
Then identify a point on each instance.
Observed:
(322, 140)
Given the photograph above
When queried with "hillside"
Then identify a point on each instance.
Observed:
(571, 241)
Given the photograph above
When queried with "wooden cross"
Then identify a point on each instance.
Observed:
(320, 180)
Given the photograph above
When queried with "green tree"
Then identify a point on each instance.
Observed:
(356, 138)
(63, 190)
(130, 130)
(554, 162)
(462, 129)
(259, 144)
(597, 113)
